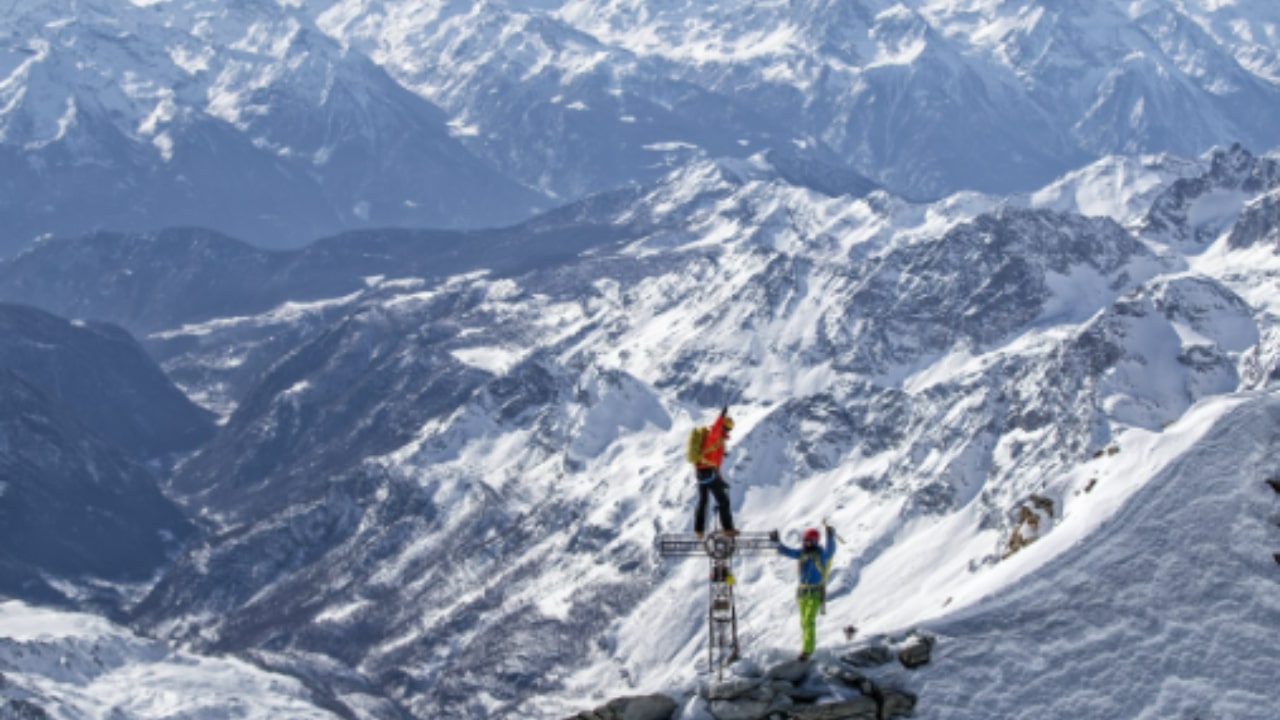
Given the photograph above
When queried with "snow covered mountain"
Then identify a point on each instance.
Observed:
(279, 122)
(442, 456)
(237, 116)
(925, 96)
(443, 491)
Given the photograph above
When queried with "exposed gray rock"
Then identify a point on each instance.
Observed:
(739, 709)
(853, 679)
(781, 702)
(793, 672)
(635, 707)
(780, 687)
(897, 703)
(1258, 223)
(778, 699)
(807, 695)
(731, 689)
(17, 709)
(858, 708)
(916, 652)
(867, 657)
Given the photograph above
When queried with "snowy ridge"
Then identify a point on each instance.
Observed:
(1167, 593)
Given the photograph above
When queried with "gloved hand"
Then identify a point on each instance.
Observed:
(773, 536)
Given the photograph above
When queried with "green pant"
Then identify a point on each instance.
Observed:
(810, 604)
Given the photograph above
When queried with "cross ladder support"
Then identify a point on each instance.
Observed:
(722, 615)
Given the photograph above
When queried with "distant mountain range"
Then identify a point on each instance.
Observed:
(277, 123)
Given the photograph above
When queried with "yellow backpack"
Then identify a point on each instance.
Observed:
(693, 447)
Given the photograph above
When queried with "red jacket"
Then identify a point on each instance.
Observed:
(713, 446)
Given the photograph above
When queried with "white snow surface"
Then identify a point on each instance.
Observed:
(1148, 602)
(81, 667)
(1118, 187)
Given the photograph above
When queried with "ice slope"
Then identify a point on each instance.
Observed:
(81, 667)
(1154, 598)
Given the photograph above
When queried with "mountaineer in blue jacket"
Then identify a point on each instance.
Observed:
(813, 564)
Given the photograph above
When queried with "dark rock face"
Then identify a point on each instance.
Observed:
(360, 388)
(1006, 260)
(18, 709)
(100, 374)
(1259, 223)
(71, 504)
(872, 656)
(641, 707)
(1234, 168)
(82, 413)
(916, 651)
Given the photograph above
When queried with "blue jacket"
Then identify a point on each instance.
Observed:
(812, 564)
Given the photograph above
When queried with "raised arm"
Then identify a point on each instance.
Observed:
(782, 547)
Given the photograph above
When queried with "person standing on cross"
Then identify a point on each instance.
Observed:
(710, 480)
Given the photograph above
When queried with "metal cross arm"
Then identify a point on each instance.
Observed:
(716, 545)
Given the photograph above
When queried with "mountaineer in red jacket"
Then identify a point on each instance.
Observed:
(710, 481)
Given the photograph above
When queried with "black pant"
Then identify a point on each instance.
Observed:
(718, 487)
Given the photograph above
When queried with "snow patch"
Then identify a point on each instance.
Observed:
(460, 128)
(285, 313)
(85, 667)
(670, 146)
(497, 361)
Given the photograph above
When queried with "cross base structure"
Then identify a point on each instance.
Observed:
(722, 615)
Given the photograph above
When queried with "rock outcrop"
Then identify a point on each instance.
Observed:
(832, 689)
